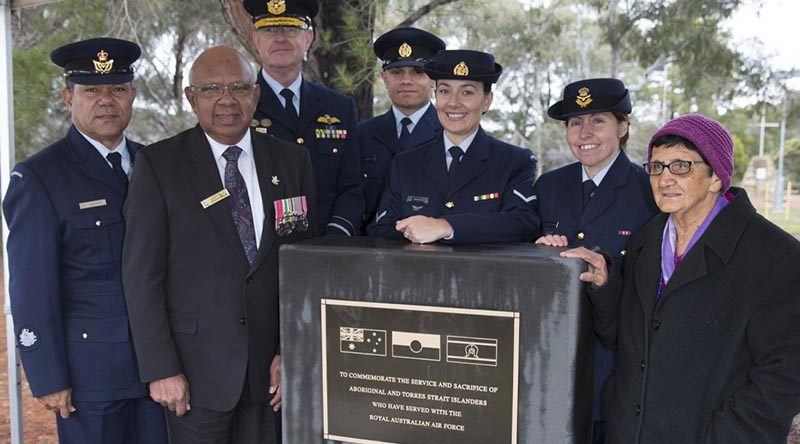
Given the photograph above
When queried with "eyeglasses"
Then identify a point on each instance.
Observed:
(215, 90)
(288, 31)
(676, 167)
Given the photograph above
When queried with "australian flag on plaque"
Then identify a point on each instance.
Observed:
(362, 341)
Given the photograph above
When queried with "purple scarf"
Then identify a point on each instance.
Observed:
(669, 258)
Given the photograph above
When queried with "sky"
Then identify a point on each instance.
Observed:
(775, 24)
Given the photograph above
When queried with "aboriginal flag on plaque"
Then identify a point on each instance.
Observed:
(422, 346)
(362, 341)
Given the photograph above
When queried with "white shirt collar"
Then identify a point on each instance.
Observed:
(246, 144)
(415, 116)
(600, 174)
(121, 148)
(464, 145)
(277, 87)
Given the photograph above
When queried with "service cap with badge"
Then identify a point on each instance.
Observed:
(99, 61)
(592, 96)
(464, 64)
(288, 13)
(407, 46)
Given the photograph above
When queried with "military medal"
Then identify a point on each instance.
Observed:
(486, 197)
(291, 214)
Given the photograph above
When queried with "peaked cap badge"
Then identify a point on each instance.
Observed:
(461, 69)
(405, 50)
(584, 98)
(276, 7)
(102, 64)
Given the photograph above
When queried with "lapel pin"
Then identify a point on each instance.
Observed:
(275, 180)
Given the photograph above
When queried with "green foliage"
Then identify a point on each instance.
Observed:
(791, 162)
(740, 159)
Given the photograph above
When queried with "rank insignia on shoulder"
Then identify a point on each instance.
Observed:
(527, 199)
(624, 232)
(27, 338)
(291, 214)
(17, 174)
(486, 197)
(327, 119)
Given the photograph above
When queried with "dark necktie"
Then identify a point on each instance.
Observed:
(456, 152)
(588, 192)
(116, 165)
(239, 202)
(405, 134)
(291, 112)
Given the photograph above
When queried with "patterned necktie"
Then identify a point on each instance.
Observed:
(116, 165)
(456, 152)
(588, 192)
(239, 202)
(402, 141)
(291, 112)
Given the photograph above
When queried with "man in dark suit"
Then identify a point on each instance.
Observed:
(411, 122)
(319, 118)
(64, 212)
(207, 211)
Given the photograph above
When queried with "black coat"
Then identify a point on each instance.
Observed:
(196, 305)
(717, 358)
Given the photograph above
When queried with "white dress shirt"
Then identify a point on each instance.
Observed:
(122, 149)
(415, 116)
(247, 167)
(277, 88)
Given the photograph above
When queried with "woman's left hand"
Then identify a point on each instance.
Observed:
(597, 274)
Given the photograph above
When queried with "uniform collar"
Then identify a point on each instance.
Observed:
(600, 174)
(276, 87)
(121, 148)
(464, 145)
(415, 116)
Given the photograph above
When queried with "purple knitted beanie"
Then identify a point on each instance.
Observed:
(710, 138)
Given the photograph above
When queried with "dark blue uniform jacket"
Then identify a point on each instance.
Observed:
(490, 198)
(64, 210)
(377, 138)
(620, 205)
(328, 129)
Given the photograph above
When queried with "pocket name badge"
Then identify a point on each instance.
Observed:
(291, 214)
(92, 204)
(214, 198)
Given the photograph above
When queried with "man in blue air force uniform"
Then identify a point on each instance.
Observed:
(411, 121)
(64, 212)
(294, 109)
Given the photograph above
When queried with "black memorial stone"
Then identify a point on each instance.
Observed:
(386, 341)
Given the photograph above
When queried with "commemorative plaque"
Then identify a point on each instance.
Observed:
(412, 373)
(389, 342)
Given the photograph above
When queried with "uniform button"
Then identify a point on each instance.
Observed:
(638, 410)
(623, 253)
(249, 280)
(335, 150)
(243, 321)
(641, 365)
(98, 223)
(300, 140)
(581, 235)
(85, 335)
(365, 174)
(656, 324)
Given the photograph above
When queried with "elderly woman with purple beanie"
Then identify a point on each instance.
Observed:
(706, 320)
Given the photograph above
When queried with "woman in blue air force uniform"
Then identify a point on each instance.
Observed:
(464, 186)
(601, 199)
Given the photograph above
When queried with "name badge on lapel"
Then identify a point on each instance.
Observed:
(214, 198)
(291, 214)
(92, 204)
